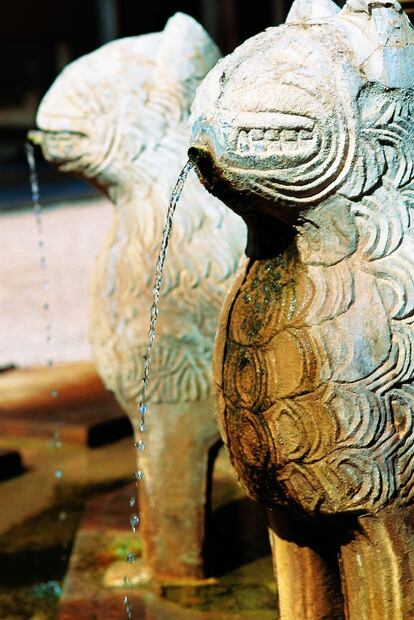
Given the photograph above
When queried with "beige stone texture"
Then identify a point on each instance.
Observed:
(306, 131)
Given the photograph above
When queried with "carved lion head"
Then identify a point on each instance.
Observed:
(319, 105)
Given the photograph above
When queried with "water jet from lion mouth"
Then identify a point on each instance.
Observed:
(159, 268)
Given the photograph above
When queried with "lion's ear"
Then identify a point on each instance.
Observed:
(303, 10)
(186, 54)
(382, 39)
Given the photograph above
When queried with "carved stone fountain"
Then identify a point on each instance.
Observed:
(119, 118)
(306, 131)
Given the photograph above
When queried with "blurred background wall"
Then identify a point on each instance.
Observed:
(38, 38)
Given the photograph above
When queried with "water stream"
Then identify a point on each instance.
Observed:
(45, 284)
(146, 377)
(159, 268)
(38, 213)
(158, 278)
(37, 210)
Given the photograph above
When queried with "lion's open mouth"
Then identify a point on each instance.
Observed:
(59, 146)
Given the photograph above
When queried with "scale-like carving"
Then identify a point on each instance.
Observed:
(119, 117)
(309, 137)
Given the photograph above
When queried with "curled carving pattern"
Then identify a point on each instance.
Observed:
(119, 116)
(309, 130)
(357, 279)
(252, 446)
(297, 155)
(310, 126)
(341, 428)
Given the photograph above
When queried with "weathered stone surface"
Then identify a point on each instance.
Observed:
(306, 132)
(119, 117)
(94, 585)
(38, 491)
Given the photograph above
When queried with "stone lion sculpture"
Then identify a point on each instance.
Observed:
(306, 131)
(119, 118)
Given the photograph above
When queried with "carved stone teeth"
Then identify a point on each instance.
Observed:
(272, 134)
(259, 146)
(305, 134)
(256, 134)
(243, 142)
(290, 135)
(258, 140)
(289, 139)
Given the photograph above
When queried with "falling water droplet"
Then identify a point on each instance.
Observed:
(139, 445)
(131, 557)
(45, 284)
(132, 501)
(128, 607)
(134, 521)
(127, 581)
(57, 438)
(159, 268)
(139, 474)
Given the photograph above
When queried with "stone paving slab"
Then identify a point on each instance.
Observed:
(149, 607)
(90, 426)
(38, 489)
(98, 558)
(69, 399)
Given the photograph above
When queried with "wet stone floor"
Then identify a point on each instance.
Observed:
(60, 522)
